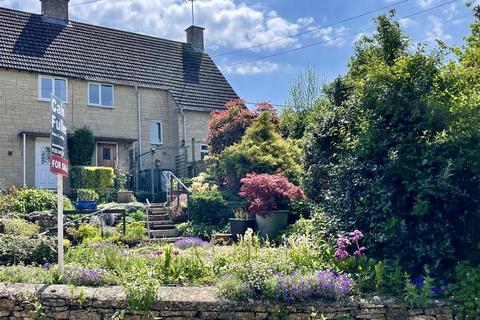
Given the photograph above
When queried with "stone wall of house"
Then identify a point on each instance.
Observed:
(197, 127)
(65, 302)
(21, 110)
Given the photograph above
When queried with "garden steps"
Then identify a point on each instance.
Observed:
(160, 226)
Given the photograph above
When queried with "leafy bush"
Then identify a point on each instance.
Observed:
(92, 277)
(30, 200)
(466, 291)
(261, 150)
(135, 233)
(87, 195)
(209, 208)
(138, 216)
(267, 192)
(204, 231)
(417, 296)
(28, 274)
(227, 127)
(96, 178)
(80, 147)
(398, 155)
(85, 232)
(15, 249)
(20, 227)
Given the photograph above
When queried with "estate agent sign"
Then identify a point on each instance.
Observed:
(58, 161)
(59, 164)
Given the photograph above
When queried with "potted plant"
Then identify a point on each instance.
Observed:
(123, 195)
(86, 199)
(242, 221)
(269, 197)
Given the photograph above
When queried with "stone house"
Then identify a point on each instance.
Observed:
(134, 92)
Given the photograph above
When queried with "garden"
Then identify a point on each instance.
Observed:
(370, 188)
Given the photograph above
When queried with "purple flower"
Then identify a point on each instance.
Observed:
(84, 276)
(47, 266)
(341, 253)
(359, 251)
(355, 235)
(189, 242)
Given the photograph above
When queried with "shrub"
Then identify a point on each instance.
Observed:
(209, 208)
(135, 233)
(85, 232)
(30, 200)
(227, 127)
(204, 231)
(20, 227)
(96, 178)
(190, 242)
(28, 274)
(80, 147)
(92, 277)
(261, 150)
(15, 249)
(87, 195)
(267, 192)
(466, 291)
(138, 216)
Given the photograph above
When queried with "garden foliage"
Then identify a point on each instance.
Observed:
(97, 178)
(209, 207)
(261, 150)
(80, 147)
(267, 192)
(395, 152)
(227, 127)
(29, 200)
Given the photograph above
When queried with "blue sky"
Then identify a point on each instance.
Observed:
(239, 25)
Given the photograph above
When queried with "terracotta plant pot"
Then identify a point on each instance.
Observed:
(124, 196)
(271, 223)
(239, 227)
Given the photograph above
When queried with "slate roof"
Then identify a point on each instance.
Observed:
(101, 54)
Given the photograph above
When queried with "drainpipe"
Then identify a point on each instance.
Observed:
(139, 144)
(184, 127)
(24, 160)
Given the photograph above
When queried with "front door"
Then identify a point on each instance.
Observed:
(106, 154)
(43, 177)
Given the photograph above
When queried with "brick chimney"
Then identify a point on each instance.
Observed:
(195, 38)
(55, 11)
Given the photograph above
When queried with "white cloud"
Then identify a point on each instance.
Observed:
(425, 3)
(252, 68)
(435, 30)
(331, 35)
(228, 24)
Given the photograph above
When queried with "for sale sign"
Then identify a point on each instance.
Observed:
(58, 134)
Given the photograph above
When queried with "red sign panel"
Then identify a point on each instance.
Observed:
(58, 165)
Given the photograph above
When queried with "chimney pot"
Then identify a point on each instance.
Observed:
(55, 11)
(195, 38)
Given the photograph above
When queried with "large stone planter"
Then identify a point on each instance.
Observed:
(271, 223)
(124, 196)
(239, 227)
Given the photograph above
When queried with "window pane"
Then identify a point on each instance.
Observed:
(159, 129)
(107, 96)
(61, 89)
(154, 133)
(106, 153)
(46, 88)
(93, 97)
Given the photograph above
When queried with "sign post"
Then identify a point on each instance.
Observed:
(59, 165)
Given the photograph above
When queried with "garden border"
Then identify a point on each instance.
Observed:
(26, 301)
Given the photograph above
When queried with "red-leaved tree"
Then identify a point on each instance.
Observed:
(227, 127)
(268, 192)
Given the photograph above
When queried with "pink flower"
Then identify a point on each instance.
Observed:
(176, 253)
(355, 235)
(359, 251)
(341, 253)
(158, 253)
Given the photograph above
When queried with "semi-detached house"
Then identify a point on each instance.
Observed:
(134, 92)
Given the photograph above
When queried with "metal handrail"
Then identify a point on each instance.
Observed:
(172, 175)
(100, 212)
(148, 219)
(179, 184)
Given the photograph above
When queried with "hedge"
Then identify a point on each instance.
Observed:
(97, 178)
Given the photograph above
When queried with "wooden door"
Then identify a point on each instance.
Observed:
(106, 154)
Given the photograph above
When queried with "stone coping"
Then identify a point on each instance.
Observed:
(88, 303)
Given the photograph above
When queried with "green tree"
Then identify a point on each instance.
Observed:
(395, 153)
(80, 147)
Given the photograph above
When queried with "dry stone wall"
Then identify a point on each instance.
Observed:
(22, 302)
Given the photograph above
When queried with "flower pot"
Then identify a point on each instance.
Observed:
(239, 227)
(85, 205)
(124, 196)
(271, 223)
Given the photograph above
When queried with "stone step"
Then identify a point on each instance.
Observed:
(162, 226)
(168, 233)
(161, 222)
(158, 217)
(159, 211)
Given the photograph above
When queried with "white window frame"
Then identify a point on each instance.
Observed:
(202, 151)
(53, 78)
(161, 132)
(100, 95)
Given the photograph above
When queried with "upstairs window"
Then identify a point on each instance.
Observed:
(100, 95)
(156, 136)
(52, 85)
